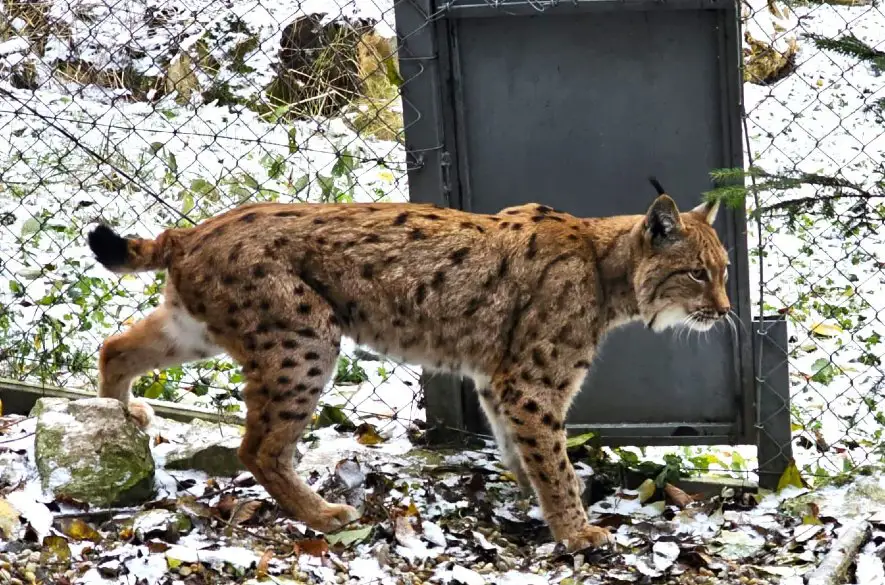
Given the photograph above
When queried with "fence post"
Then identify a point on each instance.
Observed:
(773, 432)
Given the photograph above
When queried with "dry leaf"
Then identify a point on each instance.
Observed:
(791, 477)
(677, 496)
(190, 505)
(244, 512)
(646, 490)
(226, 505)
(158, 546)
(315, 547)
(261, 569)
(77, 529)
(826, 329)
(367, 434)
(55, 548)
(159, 440)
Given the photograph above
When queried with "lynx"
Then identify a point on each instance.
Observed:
(519, 301)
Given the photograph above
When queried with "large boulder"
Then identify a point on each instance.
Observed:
(90, 450)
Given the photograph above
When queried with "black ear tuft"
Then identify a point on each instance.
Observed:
(657, 185)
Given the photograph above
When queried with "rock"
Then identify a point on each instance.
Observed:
(13, 469)
(89, 450)
(163, 524)
(208, 447)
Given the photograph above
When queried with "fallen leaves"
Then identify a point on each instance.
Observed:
(348, 538)
(9, 520)
(315, 547)
(261, 568)
(77, 529)
(244, 512)
(367, 434)
(55, 549)
(677, 496)
(791, 477)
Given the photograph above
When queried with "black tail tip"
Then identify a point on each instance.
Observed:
(110, 249)
(657, 185)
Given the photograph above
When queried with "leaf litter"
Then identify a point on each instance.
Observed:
(459, 520)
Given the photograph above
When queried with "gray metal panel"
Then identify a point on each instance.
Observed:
(575, 112)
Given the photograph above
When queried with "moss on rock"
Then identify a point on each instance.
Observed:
(89, 450)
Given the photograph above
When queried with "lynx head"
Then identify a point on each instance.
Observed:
(682, 266)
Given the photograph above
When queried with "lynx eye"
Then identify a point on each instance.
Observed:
(699, 275)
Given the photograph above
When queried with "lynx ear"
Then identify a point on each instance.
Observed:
(662, 222)
(707, 210)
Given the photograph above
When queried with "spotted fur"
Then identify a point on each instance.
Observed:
(518, 300)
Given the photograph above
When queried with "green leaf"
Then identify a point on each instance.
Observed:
(155, 390)
(156, 147)
(172, 163)
(187, 204)
(350, 537)
(293, 140)
(276, 168)
(202, 186)
(790, 477)
(393, 75)
(300, 183)
(332, 415)
(578, 440)
(32, 225)
(824, 371)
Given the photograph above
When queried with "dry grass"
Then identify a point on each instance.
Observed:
(379, 71)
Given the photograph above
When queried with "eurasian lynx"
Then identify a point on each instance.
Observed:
(519, 301)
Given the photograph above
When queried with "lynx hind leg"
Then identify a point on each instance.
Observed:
(504, 439)
(534, 417)
(167, 337)
(287, 366)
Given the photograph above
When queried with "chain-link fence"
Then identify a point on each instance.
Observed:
(814, 137)
(147, 114)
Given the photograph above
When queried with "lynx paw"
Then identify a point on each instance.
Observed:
(141, 412)
(590, 536)
(333, 517)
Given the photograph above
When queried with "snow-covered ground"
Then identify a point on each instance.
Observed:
(73, 152)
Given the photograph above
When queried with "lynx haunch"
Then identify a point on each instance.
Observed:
(519, 301)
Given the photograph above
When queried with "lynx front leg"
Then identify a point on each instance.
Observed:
(534, 417)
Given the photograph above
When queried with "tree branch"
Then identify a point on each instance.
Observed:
(858, 192)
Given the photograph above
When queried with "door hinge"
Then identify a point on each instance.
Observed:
(445, 167)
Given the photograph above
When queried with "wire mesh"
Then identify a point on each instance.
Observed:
(149, 114)
(146, 114)
(813, 99)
